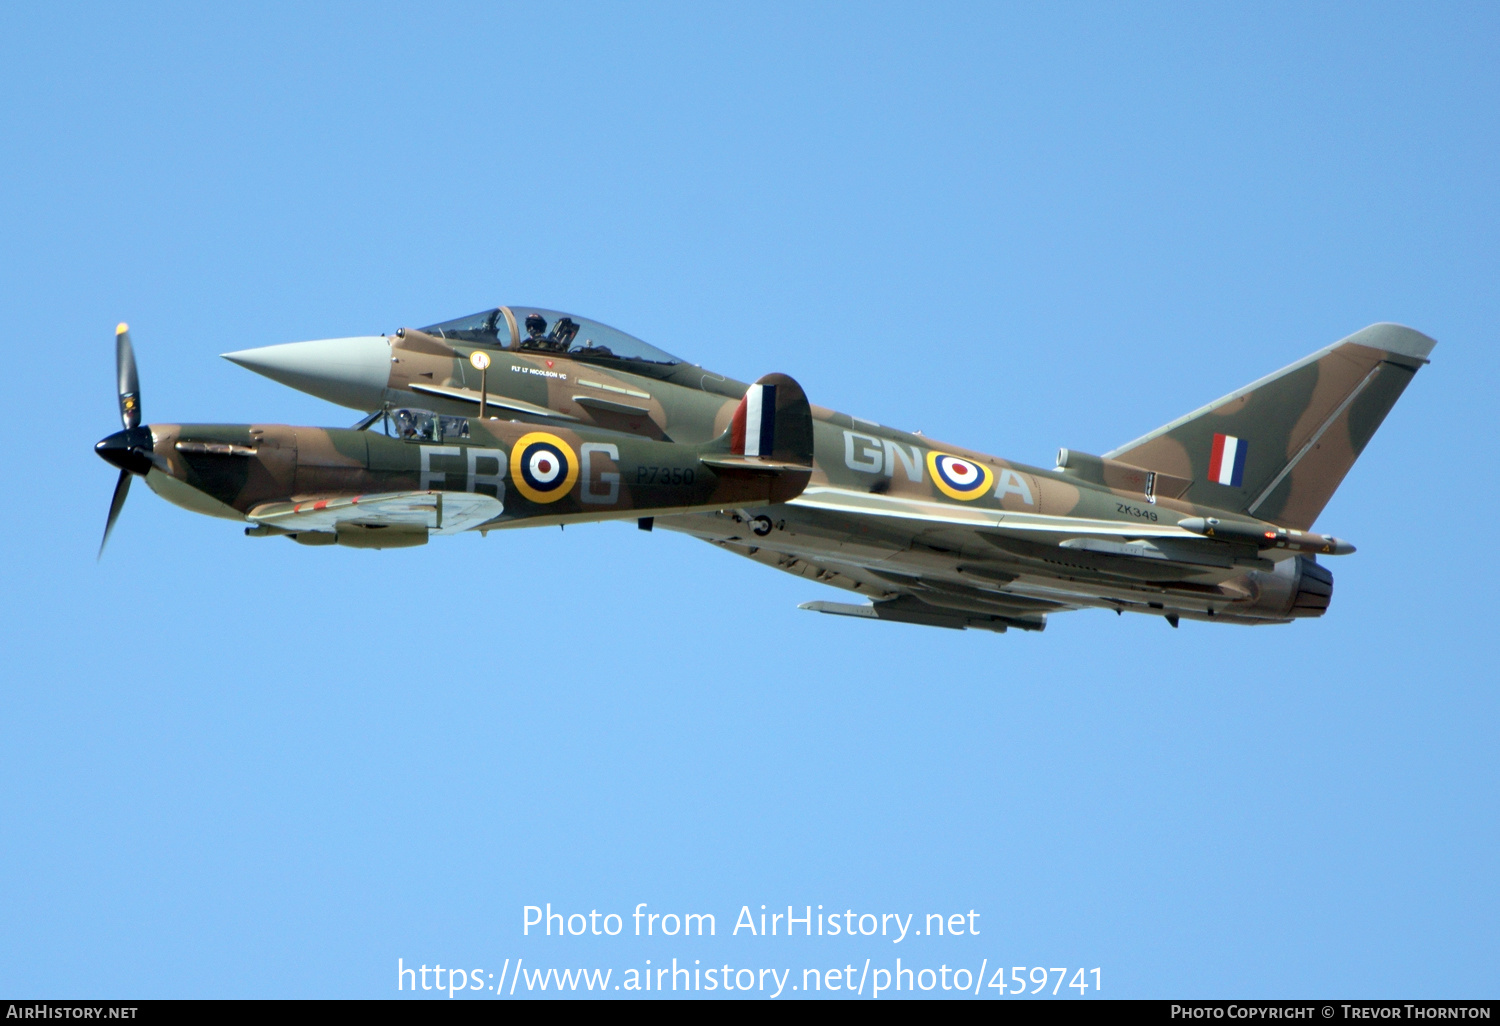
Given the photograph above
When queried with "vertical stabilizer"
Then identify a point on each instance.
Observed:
(1279, 447)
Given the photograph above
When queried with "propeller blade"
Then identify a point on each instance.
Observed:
(122, 489)
(129, 382)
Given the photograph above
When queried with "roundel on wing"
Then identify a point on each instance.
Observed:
(959, 478)
(543, 467)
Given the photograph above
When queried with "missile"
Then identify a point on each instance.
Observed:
(1267, 536)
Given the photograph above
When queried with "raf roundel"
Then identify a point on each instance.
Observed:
(958, 478)
(543, 467)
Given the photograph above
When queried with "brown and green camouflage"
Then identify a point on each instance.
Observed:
(1205, 518)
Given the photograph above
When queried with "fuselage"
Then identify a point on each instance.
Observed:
(669, 400)
(261, 473)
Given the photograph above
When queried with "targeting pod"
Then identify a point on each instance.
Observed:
(1267, 537)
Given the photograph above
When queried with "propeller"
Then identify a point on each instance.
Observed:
(130, 382)
(132, 450)
(116, 503)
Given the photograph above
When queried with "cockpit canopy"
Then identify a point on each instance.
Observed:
(532, 329)
(425, 426)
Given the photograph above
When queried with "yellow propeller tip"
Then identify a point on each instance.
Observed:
(122, 328)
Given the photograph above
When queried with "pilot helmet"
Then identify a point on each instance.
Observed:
(536, 324)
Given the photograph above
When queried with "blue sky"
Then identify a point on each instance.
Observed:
(239, 767)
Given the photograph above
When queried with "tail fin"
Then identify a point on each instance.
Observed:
(772, 429)
(1279, 447)
(769, 441)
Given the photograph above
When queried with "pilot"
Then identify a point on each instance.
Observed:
(536, 333)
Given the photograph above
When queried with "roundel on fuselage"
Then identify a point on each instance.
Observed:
(543, 467)
(959, 478)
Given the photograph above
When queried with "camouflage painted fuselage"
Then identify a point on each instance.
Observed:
(289, 480)
(941, 534)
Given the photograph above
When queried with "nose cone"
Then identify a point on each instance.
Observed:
(352, 372)
(129, 450)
